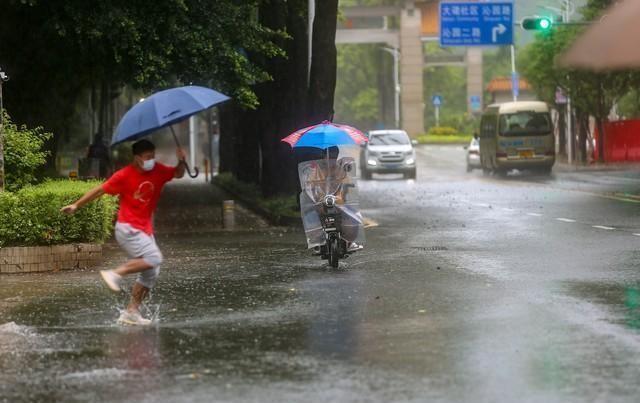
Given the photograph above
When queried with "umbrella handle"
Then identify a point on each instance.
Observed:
(195, 169)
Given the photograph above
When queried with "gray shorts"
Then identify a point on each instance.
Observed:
(139, 244)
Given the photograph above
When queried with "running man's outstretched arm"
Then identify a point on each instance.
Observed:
(88, 197)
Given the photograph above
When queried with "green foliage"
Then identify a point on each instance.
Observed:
(444, 139)
(593, 93)
(32, 216)
(23, 153)
(442, 131)
(357, 97)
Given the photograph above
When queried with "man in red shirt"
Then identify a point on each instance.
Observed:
(138, 185)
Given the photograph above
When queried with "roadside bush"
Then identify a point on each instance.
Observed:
(442, 131)
(23, 153)
(31, 216)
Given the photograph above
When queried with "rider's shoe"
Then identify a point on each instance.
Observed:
(317, 251)
(133, 318)
(353, 247)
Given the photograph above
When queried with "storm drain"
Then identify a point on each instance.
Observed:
(431, 248)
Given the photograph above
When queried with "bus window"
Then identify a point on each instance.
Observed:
(525, 123)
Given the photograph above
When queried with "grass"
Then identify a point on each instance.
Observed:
(444, 139)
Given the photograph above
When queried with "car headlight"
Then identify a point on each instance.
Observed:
(372, 162)
(410, 161)
(410, 152)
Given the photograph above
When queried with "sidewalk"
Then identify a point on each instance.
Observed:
(194, 206)
(563, 166)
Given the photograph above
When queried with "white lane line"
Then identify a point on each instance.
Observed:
(482, 205)
(507, 209)
(603, 227)
(565, 219)
(535, 214)
(636, 234)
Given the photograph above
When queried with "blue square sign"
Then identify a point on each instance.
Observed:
(476, 24)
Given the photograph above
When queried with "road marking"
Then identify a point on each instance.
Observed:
(603, 227)
(482, 205)
(565, 219)
(535, 214)
(636, 234)
(508, 209)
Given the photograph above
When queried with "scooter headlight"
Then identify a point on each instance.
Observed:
(330, 200)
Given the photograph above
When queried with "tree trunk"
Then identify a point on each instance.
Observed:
(562, 130)
(322, 83)
(601, 138)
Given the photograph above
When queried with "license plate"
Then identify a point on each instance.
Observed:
(526, 154)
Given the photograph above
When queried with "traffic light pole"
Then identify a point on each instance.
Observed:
(513, 73)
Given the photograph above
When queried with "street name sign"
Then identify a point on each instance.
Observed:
(476, 24)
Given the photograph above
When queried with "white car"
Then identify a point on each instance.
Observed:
(473, 155)
(388, 151)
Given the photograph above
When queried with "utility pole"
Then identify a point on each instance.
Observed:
(3, 78)
(396, 83)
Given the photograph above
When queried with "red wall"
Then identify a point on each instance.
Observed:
(622, 141)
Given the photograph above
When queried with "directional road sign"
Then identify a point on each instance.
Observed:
(475, 102)
(476, 24)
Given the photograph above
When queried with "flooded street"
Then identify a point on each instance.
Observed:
(470, 288)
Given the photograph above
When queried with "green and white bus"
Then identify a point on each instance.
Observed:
(517, 135)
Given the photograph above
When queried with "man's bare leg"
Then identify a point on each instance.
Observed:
(132, 266)
(138, 294)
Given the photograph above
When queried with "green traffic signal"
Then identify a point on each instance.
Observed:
(536, 23)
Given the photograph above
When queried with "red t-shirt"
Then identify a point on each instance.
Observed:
(139, 193)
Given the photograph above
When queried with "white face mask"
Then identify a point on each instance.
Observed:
(148, 165)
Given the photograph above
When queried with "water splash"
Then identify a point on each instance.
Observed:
(14, 328)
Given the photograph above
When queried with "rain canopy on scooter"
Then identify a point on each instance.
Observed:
(327, 154)
(334, 172)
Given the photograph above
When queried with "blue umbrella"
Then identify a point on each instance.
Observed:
(325, 135)
(163, 109)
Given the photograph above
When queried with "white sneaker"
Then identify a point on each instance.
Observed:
(353, 247)
(133, 319)
(112, 279)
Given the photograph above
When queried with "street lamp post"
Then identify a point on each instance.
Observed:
(3, 78)
(396, 83)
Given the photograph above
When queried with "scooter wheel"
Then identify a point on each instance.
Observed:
(334, 253)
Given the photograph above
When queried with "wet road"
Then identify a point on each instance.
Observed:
(470, 289)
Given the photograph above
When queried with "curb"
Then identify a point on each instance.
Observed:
(280, 221)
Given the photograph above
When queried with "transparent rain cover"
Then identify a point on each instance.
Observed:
(331, 176)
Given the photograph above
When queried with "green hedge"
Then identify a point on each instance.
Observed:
(442, 131)
(31, 216)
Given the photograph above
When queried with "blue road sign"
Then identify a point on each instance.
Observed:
(436, 100)
(476, 24)
(475, 102)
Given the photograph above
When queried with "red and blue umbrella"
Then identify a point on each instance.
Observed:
(325, 135)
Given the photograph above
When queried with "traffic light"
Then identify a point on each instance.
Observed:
(537, 23)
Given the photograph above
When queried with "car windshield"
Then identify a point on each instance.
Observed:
(524, 123)
(389, 139)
